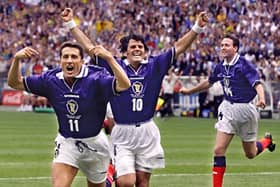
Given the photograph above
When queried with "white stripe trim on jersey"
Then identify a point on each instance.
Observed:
(83, 72)
(137, 78)
(233, 61)
(26, 85)
(142, 62)
(256, 82)
(173, 55)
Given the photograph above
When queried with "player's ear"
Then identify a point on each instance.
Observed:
(146, 54)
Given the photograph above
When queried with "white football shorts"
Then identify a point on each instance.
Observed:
(136, 147)
(90, 155)
(238, 118)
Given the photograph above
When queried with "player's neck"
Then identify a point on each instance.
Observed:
(70, 81)
(229, 59)
(135, 65)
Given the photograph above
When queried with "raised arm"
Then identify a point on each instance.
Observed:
(15, 79)
(200, 87)
(122, 81)
(67, 17)
(183, 43)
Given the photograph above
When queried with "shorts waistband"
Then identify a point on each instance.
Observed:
(136, 124)
(82, 139)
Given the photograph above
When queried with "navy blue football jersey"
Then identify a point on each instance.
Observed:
(80, 109)
(238, 79)
(137, 104)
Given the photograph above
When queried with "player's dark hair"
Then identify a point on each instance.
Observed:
(235, 40)
(124, 42)
(72, 45)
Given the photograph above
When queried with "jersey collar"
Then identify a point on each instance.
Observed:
(142, 62)
(233, 61)
(83, 73)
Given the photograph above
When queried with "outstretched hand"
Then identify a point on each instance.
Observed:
(185, 91)
(26, 52)
(261, 104)
(67, 14)
(202, 19)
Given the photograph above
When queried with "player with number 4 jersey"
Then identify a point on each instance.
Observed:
(236, 114)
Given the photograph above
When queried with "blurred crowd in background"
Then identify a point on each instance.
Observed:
(37, 23)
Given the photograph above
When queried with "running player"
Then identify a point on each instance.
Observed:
(135, 137)
(236, 115)
(79, 95)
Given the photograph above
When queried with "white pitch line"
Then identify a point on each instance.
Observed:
(154, 175)
(205, 174)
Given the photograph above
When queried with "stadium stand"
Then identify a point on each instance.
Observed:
(35, 23)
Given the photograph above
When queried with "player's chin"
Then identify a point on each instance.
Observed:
(69, 74)
(223, 55)
(137, 58)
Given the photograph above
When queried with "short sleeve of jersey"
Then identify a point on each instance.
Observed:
(107, 79)
(251, 73)
(102, 63)
(214, 74)
(36, 84)
(165, 60)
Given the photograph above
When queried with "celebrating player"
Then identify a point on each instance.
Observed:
(237, 115)
(79, 95)
(135, 137)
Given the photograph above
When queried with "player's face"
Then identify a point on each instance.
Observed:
(135, 51)
(227, 49)
(70, 61)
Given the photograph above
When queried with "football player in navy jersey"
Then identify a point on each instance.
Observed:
(135, 137)
(237, 115)
(79, 95)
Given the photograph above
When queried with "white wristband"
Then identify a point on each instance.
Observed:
(196, 28)
(70, 24)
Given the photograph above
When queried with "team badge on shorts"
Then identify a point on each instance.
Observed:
(56, 151)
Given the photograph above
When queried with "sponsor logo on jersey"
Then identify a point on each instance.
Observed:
(72, 106)
(72, 95)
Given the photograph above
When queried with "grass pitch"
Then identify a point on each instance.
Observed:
(27, 142)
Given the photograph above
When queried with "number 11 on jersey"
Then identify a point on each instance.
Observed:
(74, 125)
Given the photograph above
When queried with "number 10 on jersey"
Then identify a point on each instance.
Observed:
(137, 104)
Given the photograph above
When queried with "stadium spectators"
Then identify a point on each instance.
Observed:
(34, 23)
(256, 23)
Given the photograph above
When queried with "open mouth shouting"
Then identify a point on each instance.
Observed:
(70, 68)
